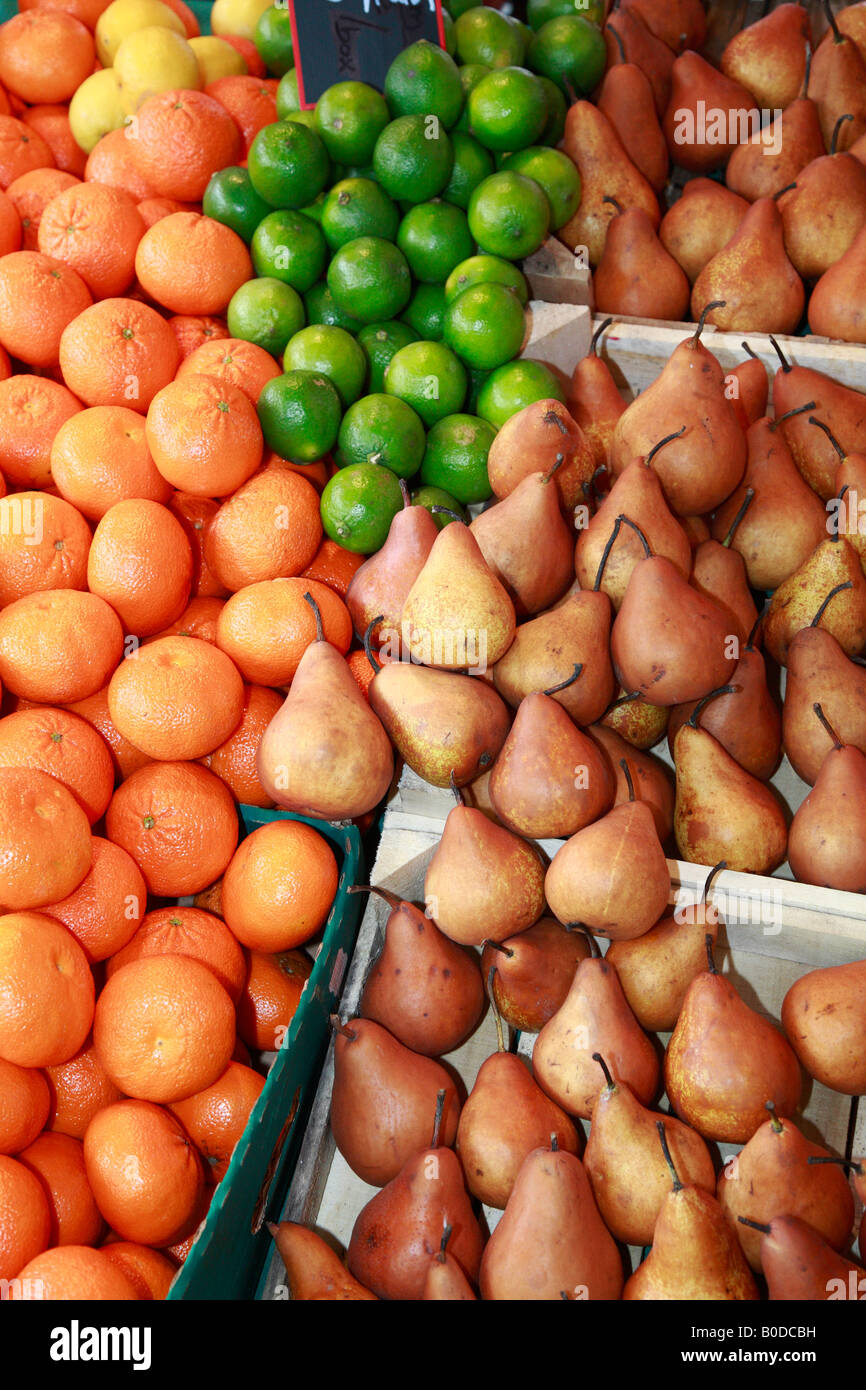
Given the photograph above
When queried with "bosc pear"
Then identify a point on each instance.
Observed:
(636, 276)
(701, 222)
(532, 441)
(751, 281)
(526, 543)
(820, 672)
(769, 57)
(315, 1272)
(824, 1017)
(680, 24)
(827, 840)
(629, 40)
(799, 1266)
(747, 722)
(774, 157)
(823, 213)
(380, 586)
(445, 1280)
(835, 309)
(705, 115)
(838, 83)
(626, 98)
(840, 408)
(457, 614)
(652, 779)
(830, 583)
(594, 400)
(546, 650)
(605, 171)
(533, 971)
(636, 721)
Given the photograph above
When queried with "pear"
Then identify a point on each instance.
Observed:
(637, 721)
(626, 1167)
(626, 99)
(832, 582)
(832, 311)
(852, 21)
(704, 111)
(769, 57)
(747, 722)
(755, 170)
(383, 1098)
(636, 275)
(324, 753)
(532, 441)
(823, 213)
(850, 485)
(477, 795)
(819, 671)
(719, 573)
(594, 1017)
(838, 83)
(801, 1267)
(701, 222)
(680, 24)
(526, 543)
(315, 1272)
(605, 171)
(551, 1242)
(426, 990)
(445, 1280)
(724, 1062)
(827, 840)
(773, 1176)
(749, 389)
(630, 40)
(840, 408)
(533, 971)
(380, 586)
(824, 1016)
(651, 777)
(457, 614)
(593, 400)
(760, 289)
(546, 650)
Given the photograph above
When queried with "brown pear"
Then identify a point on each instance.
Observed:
(477, 795)
(799, 1266)
(824, 1016)
(748, 386)
(594, 1017)
(820, 672)
(546, 650)
(445, 1280)
(626, 98)
(534, 971)
(840, 408)
(822, 216)
(425, 989)
(380, 586)
(769, 57)
(605, 171)
(680, 24)
(827, 840)
(719, 573)
(651, 778)
(838, 84)
(707, 115)
(836, 309)
(700, 223)
(760, 289)
(637, 721)
(551, 1242)
(850, 486)
(594, 400)
(324, 753)
(383, 1101)
(315, 1272)
(774, 157)
(636, 276)
(833, 569)
(532, 441)
(526, 543)
(851, 20)
(457, 614)
(747, 722)
(629, 40)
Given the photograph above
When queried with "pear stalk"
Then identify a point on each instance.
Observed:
(677, 1185)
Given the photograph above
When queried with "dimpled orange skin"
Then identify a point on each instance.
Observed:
(46, 991)
(39, 298)
(216, 263)
(45, 841)
(67, 748)
(24, 1105)
(32, 411)
(181, 139)
(72, 1273)
(140, 562)
(102, 458)
(269, 529)
(204, 436)
(216, 1117)
(29, 565)
(188, 931)
(117, 352)
(58, 646)
(180, 698)
(25, 1217)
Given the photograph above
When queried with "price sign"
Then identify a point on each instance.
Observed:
(356, 40)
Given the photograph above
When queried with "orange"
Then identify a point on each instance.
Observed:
(361, 670)
(216, 1117)
(64, 746)
(58, 646)
(187, 17)
(126, 758)
(179, 823)
(149, 1272)
(280, 886)
(192, 264)
(179, 140)
(87, 11)
(24, 1106)
(210, 899)
(45, 56)
(249, 101)
(52, 123)
(106, 909)
(154, 209)
(199, 619)
(235, 760)
(31, 194)
(96, 230)
(111, 161)
(177, 698)
(188, 931)
(196, 515)
(270, 528)
(46, 991)
(10, 227)
(39, 298)
(100, 457)
(243, 364)
(334, 566)
(119, 352)
(180, 1249)
(271, 996)
(204, 436)
(140, 562)
(32, 410)
(250, 54)
(78, 1089)
(21, 149)
(45, 842)
(49, 553)
(58, 1161)
(193, 330)
(73, 1273)
(164, 1028)
(316, 473)
(25, 1217)
(266, 628)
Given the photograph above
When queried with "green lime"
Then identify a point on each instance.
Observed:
(485, 326)
(266, 312)
(431, 497)
(434, 237)
(288, 164)
(315, 209)
(380, 341)
(425, 312)
(332, 351)
(300, 413)
(307, 118)
(369, 279)
(288, 100)
(513, 387)
(321, 308)
(428, 377)
(472, 164)
(509, 215)
(483, 270)
(423, 80)
(455, 8)
(555, 174)
(470, 75)
(557, 110)
(358, 207)
(456, 457)
(450, 37)
(231, 199)
(571, 52)
(349, 118)
(273, 39)
(485, 36)
(382, 429)
(413, 158)
(507, 109)
(354, 171)
(538, 12)
(359, 504)
(289, 246)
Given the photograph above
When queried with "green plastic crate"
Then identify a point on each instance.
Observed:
(229, 1254)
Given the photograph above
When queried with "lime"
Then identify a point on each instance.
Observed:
(315, 209)
(288, 100)
(299, 413)
(470, 75)
(450, 38)
(538, 12)
(555, 174)
(434, 237)
(355, 171)
(509, 215)
(514, 386)
(557, 110)
(413, 158)
(425, 312)
(321, 308)
(485, 36)
(307, 118)
(332, 351)
(428, 377)
(456, 457)
(359, 504)
(482, 270)
(507, 109)
(423, 80)
(288, 164)
(472, 164)
(431, 497)
(455, 8)
(382, 429)
(369, 279)
(358, 207)
(571, 52)
(274, 40)
(349, 118)
(289, 246)
(380, 341)
(485, 326)
(231, 199)
(266, 312)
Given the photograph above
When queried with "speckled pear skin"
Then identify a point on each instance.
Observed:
(756, 171)
(795, 603)
(769, 57)
(799, 1266)
(827, 840)
(612, 875)
(819, 670)
(695, 1255)
(457, 614)
(605, 171)
(824, 1016)
(722, 812)
(753, 275)
(546, 650)
(483, 883)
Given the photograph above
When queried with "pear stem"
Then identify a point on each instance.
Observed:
(625, 700)
(611, 541)
(798, 410)
(716, 869)
(660, 1126)
(831, 20)
(634, 526)
(368, 642)
(320, 633)
(750, 641)
(744, 507)
(786, 366)
(832, 594)
(836, 532)
(554, 1144)
(618, 41)
(455, 789)
(786, 189)
(340, 1027)
(447, 511)
(593, 347)
(563, 685)
(837, 742)
(607, 199)
(837, 127)
(497, 946)
(627, 774)
(774, 1119)
(590, 939)
(833, 440)
(611, 1084)
(750, 351)
(404, 490)
(755, 1225)
(552, 418)
(808, 73)
(661, 444)
(500, 1031)
(711, 964)
(701, 705)
(707, 309)
(390, 898)
(437, 1118)
(446, 1236)
(851, 1165)
(554, 467)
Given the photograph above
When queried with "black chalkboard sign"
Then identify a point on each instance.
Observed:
(356, 40)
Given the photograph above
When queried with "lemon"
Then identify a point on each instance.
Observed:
(124, 17)
(216, 59)
(237, 17)
(95, 109)
(154, 60)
